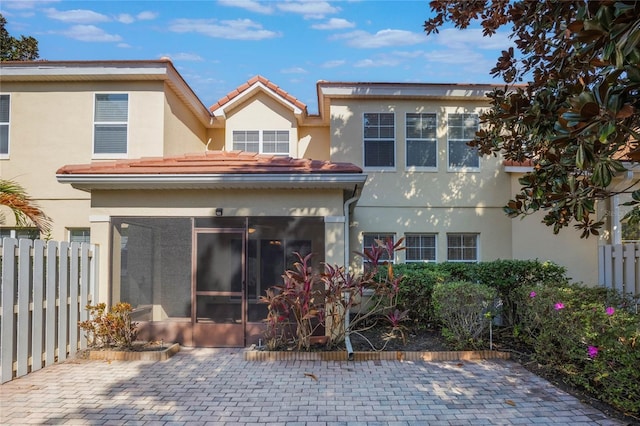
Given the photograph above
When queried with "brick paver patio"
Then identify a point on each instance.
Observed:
(217, 386)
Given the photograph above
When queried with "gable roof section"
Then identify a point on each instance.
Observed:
(213, 170)
(248, 89)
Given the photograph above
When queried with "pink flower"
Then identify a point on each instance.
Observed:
(559, 306)
(610, 310)
(532, 294)
(592, 351)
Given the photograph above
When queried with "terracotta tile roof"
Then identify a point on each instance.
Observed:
(511, 163)
(246, 86)
(211, 162)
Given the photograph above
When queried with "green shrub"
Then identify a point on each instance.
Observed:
(591, 336)
(462, 308)
(507, 276)
(416, 289)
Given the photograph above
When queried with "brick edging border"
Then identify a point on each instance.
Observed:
(115, 355)
(254, 355)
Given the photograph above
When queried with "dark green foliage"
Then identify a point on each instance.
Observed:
(13, 49)
(461, 307)
(416, 289)
(588, 336)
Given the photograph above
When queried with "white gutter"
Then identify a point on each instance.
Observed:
(347, 339)
(87, 182)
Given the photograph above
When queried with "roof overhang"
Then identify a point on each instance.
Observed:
(89, 182)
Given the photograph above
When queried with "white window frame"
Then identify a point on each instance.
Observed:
(7, 124)
(261, 141)
(70, 232)
(463, 247)
(377, 236)
(20, 233)
(378, 139)
(108, 155)
(451, 168)
(420, 247)
(433, 140)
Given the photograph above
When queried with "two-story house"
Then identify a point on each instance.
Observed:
(198, 210)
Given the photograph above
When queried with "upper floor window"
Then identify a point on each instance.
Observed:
(420, 247)
(462, 247)
(461, 129)
(110, 124)
(4, 125)
(422, 145)
(265, 141)
(379, 140)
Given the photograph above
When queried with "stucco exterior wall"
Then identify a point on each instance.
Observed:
(262, 112)
(183, 132)
(532, 239)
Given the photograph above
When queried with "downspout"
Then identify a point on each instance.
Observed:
(347, 205)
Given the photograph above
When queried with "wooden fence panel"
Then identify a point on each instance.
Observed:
(43, 295)
(619, 267)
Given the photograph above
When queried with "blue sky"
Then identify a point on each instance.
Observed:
(218, 45)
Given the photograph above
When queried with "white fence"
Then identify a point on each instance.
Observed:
(44, 289)
(619, 267)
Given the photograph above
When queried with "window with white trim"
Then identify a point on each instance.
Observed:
(5, 104)
(110, 126)
(462, 248)
(262, 141)
(461, 129)
(79, 235)
(420, 247)
(370, 240)
(629, 229)
(421, 142)
(379, 140)
(25, 233)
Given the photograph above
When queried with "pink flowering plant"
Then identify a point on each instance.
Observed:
(590, 336)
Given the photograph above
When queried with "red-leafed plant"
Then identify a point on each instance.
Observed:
(309, 302)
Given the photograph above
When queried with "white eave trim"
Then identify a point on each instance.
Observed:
(221, 113)
(380, 90)
(518, 169)
(214, 181)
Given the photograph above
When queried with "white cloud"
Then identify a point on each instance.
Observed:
(375, 63)
(383, 38)
(183, 56)
(25, 4)
(310, 9)
(240, 29)
(334, 63)
(125, 18)
(124, 45)
(146, 16)
(471, 39)
(76, 16)
(250, 5)
(90, 33)
(294, 70)
(334, 24)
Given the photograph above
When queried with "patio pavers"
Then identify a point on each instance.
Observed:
(217, 386)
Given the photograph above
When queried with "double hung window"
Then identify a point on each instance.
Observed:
(422, 145)
(462, 248)
(110, 124)
(379, 140)
(461, 129)
(5, 103)
(420, 247)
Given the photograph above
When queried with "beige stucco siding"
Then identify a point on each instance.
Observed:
(262, 112)
(532, 239)
(183, 132)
